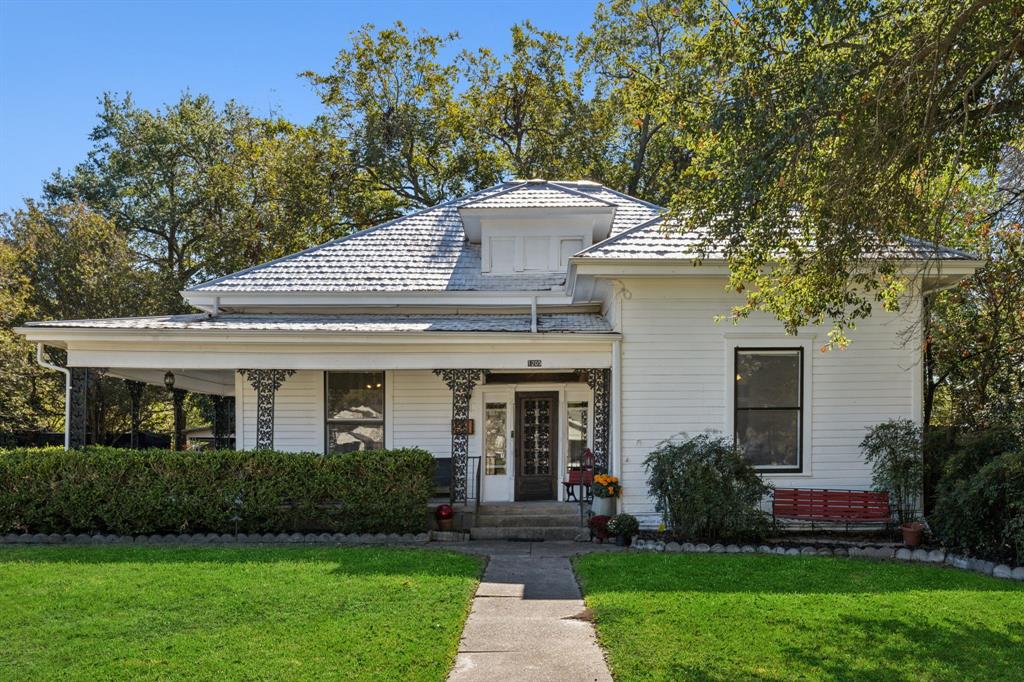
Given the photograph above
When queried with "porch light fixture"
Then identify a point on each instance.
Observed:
(169, 381)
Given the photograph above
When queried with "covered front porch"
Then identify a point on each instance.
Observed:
(507, 414)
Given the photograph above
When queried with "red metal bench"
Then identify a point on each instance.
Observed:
(831, 506)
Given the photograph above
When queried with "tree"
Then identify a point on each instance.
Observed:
(528, 110)
(823, 132)
(393, 102)
(632, 50)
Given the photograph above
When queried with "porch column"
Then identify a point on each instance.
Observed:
(265, 382)
(178, 400)
(223, 409)
(135, 393)
(461, 383)
(78, 428)
(600, 381)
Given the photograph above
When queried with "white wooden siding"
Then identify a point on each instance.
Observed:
(674, 366)
(421, 412)
(298, 413)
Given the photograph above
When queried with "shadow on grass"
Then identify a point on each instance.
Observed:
(761, 574)
(348, 560)
(898, 650)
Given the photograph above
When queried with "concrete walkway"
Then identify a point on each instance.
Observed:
(528, 621)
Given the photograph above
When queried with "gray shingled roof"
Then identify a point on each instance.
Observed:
(422, 251)
(651, 240)
(592, 323)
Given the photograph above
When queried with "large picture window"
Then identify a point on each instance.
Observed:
(769, 407)
(355, 411)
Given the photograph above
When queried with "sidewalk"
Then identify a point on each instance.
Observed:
(528, 621)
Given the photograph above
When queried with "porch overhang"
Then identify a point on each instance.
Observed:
(211, 350)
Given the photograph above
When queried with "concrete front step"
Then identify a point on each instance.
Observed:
(532, 533)
(529, 509)
(527, 520)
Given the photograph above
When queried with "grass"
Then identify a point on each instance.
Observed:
(111, 613)
(742, 617)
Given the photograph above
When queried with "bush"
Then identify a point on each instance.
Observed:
(979, 506)
(895, 452)
(129, 492)
(706, 490)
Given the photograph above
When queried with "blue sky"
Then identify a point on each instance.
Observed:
(56, 58)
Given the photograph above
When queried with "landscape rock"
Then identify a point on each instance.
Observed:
(957, 561)
(747, 549)
(659, 546)
(718, 548)
(808, 551)
(792, 551)
(841, 551)
(688, 547)
(1017, 573)
(732, 549)
(701, 548)
(764, 549)
(936, 556)
(673, 547)
(1002, 571)
(920, 555)
(904, 554)
(982, 566)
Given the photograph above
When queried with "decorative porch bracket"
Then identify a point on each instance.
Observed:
(461, 383)
(600, 381)
(265, 382)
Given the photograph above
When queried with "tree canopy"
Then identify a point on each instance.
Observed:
(804, 139)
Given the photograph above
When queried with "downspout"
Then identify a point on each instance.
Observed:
(617, 407)
(67, 392)
(533, 315)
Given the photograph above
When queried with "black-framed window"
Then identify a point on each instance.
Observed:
(769, 407)
(354, 411)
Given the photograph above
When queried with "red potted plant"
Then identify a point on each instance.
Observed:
(599, 527)
(445, 515)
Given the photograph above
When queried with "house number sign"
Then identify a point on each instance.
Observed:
(533, 363)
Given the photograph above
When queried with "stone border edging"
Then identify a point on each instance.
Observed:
(934, 556)
(215, 539)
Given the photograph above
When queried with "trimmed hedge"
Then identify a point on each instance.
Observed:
(131, 492)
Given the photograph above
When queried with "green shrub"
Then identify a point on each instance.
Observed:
(979, 506)
(127, 492)
(625, 525)
(895, 453)
(706, 490)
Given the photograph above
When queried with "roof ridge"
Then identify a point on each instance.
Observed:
(338, 240)
(546, 184)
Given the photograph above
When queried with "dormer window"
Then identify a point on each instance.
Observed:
(535, 226)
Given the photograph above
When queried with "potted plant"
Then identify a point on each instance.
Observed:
(598, 527)
(912, 531)
(894, 450)
(445, 517)
(623, 527)
(605, 489)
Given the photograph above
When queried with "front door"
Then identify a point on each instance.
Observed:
(536, 442)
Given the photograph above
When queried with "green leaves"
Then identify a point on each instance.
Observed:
(112, 490)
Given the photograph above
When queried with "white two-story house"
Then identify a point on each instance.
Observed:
(508, 331)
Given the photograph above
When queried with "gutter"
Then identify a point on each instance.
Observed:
(67, 392)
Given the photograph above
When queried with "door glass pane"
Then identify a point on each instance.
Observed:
(577, 433)
(495, 440)
(769, 437)
(536, 437)
(355, 395)
(768, 378)
(342, 437)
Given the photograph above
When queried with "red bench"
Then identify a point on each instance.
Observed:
(831, 506)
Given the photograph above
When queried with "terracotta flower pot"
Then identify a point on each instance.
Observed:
(912, 533)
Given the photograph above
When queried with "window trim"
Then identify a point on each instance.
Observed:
(802, 427)
(384, 421)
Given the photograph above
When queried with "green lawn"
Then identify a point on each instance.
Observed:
(106, 613)
(715, 617)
